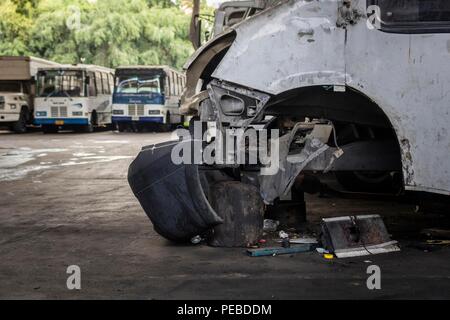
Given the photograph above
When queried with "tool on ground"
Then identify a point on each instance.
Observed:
(353, 236)
(273, 251)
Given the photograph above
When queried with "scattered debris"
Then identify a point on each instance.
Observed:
(196, 240)
(439, 242)
(303, 241)
(321, 250)
(328, 256)
(285, 243)
(437, 233)
(354, 236)
(283, 235)
(273, 251)
(270, 225)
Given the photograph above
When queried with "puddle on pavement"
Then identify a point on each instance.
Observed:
(13, 161)
(11, 158)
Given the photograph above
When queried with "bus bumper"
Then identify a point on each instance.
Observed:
(140, 119)
(171, 195)
(9, 117)
(61, 121)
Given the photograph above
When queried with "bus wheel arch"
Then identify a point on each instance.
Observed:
(355, 117)
(94, 118)
(167, 118)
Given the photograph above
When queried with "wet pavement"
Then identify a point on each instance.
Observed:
(64, 200)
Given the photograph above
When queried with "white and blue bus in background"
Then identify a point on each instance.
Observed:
(147, 97)
(76, 97)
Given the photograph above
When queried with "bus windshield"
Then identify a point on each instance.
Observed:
(139, 84)
(61, 83)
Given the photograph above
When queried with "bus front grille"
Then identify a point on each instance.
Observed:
(63, 112)
(131, 110)
(54, 112)
(57, 112)
(140, 109)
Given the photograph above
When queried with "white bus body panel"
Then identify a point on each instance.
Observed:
(297, 44)
(60, 108)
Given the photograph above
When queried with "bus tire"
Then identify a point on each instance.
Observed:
(20, 126)
(89, 128)
(49, 129)
(167, 126)
(381, 182)
(121, 127)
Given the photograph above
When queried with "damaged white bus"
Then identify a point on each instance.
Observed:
(360, 89)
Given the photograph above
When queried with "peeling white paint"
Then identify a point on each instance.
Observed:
(407, 75)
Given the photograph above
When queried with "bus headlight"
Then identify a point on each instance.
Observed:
(153, 112)
(118, 112)
(13, 106)
(41, 113)
(77, 113)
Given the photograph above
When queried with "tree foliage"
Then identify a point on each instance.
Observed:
(103, 32)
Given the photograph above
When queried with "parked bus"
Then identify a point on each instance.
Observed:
(146, 95)
(17, 89)
(73, 97)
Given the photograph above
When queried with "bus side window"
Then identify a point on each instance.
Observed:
(92, 89)
(106, 87)
(167, 85)
(172, 84)
(111, 82)
(98, 83)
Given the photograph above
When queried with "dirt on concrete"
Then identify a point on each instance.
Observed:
(65, 200)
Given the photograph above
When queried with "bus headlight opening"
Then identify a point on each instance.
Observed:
(41, 113)
(77, 113)
(153, 112)
(118, 112)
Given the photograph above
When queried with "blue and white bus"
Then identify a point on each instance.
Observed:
(75, 97)
(147, 96)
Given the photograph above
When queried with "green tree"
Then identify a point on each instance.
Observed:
(14, 28)
(104, 32)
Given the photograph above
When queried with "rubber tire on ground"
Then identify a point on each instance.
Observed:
(20, 126)
(242, 209)
(49, 129)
